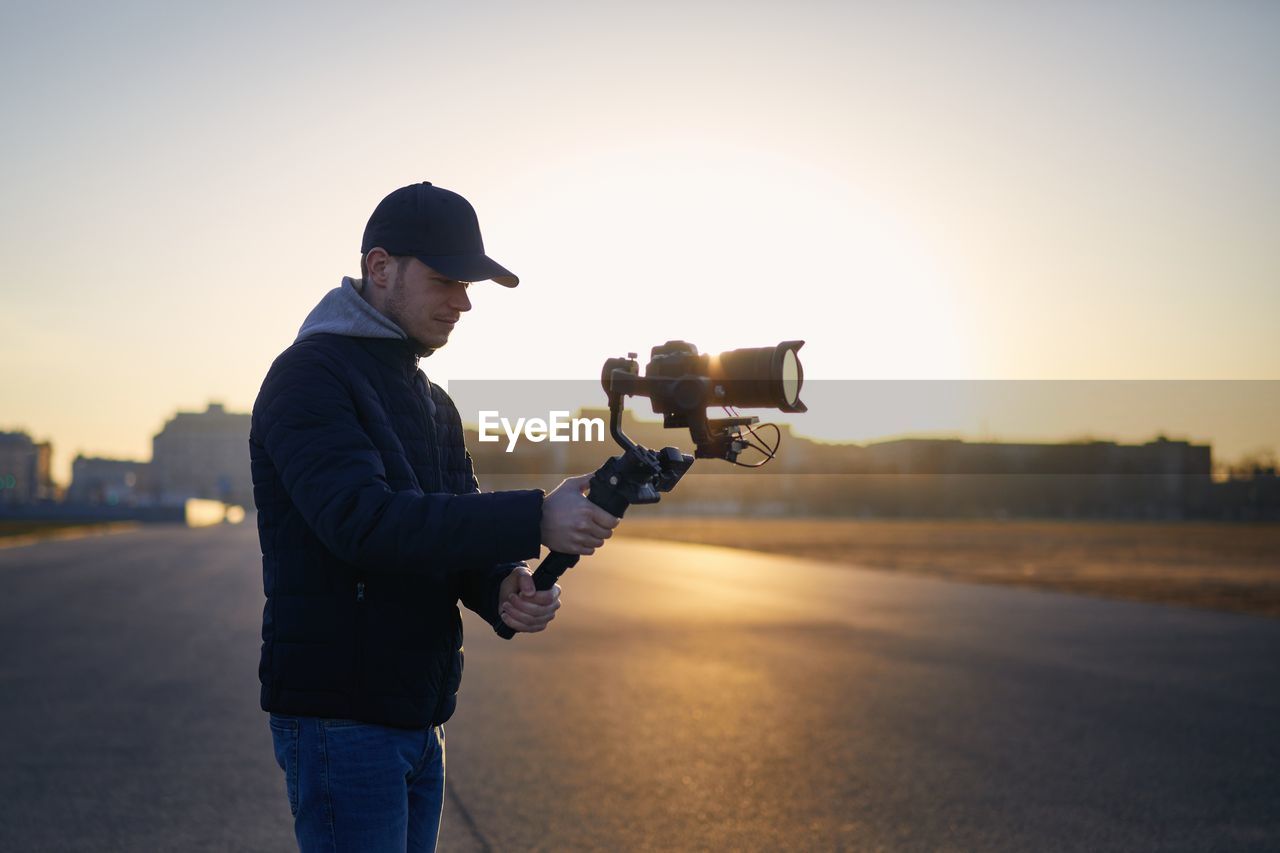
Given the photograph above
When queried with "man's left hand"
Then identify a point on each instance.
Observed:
(522, 606)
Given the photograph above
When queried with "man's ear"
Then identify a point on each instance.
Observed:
(378, 264)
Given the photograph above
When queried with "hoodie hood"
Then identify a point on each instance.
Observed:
(343, 311)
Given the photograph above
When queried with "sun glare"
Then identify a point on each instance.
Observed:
(729, 247)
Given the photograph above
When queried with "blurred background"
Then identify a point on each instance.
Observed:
(1001, 196)
(982, 190)
(1030, 247)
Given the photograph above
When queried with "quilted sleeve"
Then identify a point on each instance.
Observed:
(480, 584)
(306, 420)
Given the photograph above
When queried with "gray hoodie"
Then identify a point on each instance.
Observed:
(343, 311)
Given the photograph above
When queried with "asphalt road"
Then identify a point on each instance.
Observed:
(686, 698)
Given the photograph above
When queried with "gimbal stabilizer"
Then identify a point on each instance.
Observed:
(681, 384)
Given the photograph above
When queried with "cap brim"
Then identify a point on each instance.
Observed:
(470, 268)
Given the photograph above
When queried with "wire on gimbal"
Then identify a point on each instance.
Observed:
(759, 445)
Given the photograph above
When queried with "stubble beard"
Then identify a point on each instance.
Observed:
(397, 312)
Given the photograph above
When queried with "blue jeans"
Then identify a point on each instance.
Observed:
(360, 787)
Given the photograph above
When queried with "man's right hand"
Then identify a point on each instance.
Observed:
(571, 524)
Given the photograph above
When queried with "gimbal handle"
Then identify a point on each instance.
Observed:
(636, 476)
(556, 563)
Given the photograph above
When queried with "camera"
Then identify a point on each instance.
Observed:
(682, 384)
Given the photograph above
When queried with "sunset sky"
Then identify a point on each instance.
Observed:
(963, 190)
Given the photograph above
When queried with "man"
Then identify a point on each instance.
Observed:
(372, 529)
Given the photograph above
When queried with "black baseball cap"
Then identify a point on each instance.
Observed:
(439, 228)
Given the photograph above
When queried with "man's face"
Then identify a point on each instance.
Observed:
(425, 304)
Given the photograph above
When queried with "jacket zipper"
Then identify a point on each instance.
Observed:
(421, 395)
(359, 590)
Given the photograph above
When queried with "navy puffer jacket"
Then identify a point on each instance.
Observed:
(372, 529)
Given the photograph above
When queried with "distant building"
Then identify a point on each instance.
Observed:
(24, 470)
(113, 482)
(1162, 457)
(1249, 495)
(202, 455)
(1159, 479)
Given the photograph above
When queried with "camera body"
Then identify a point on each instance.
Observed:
(682, 384)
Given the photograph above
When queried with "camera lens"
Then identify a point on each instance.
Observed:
(760, 377)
